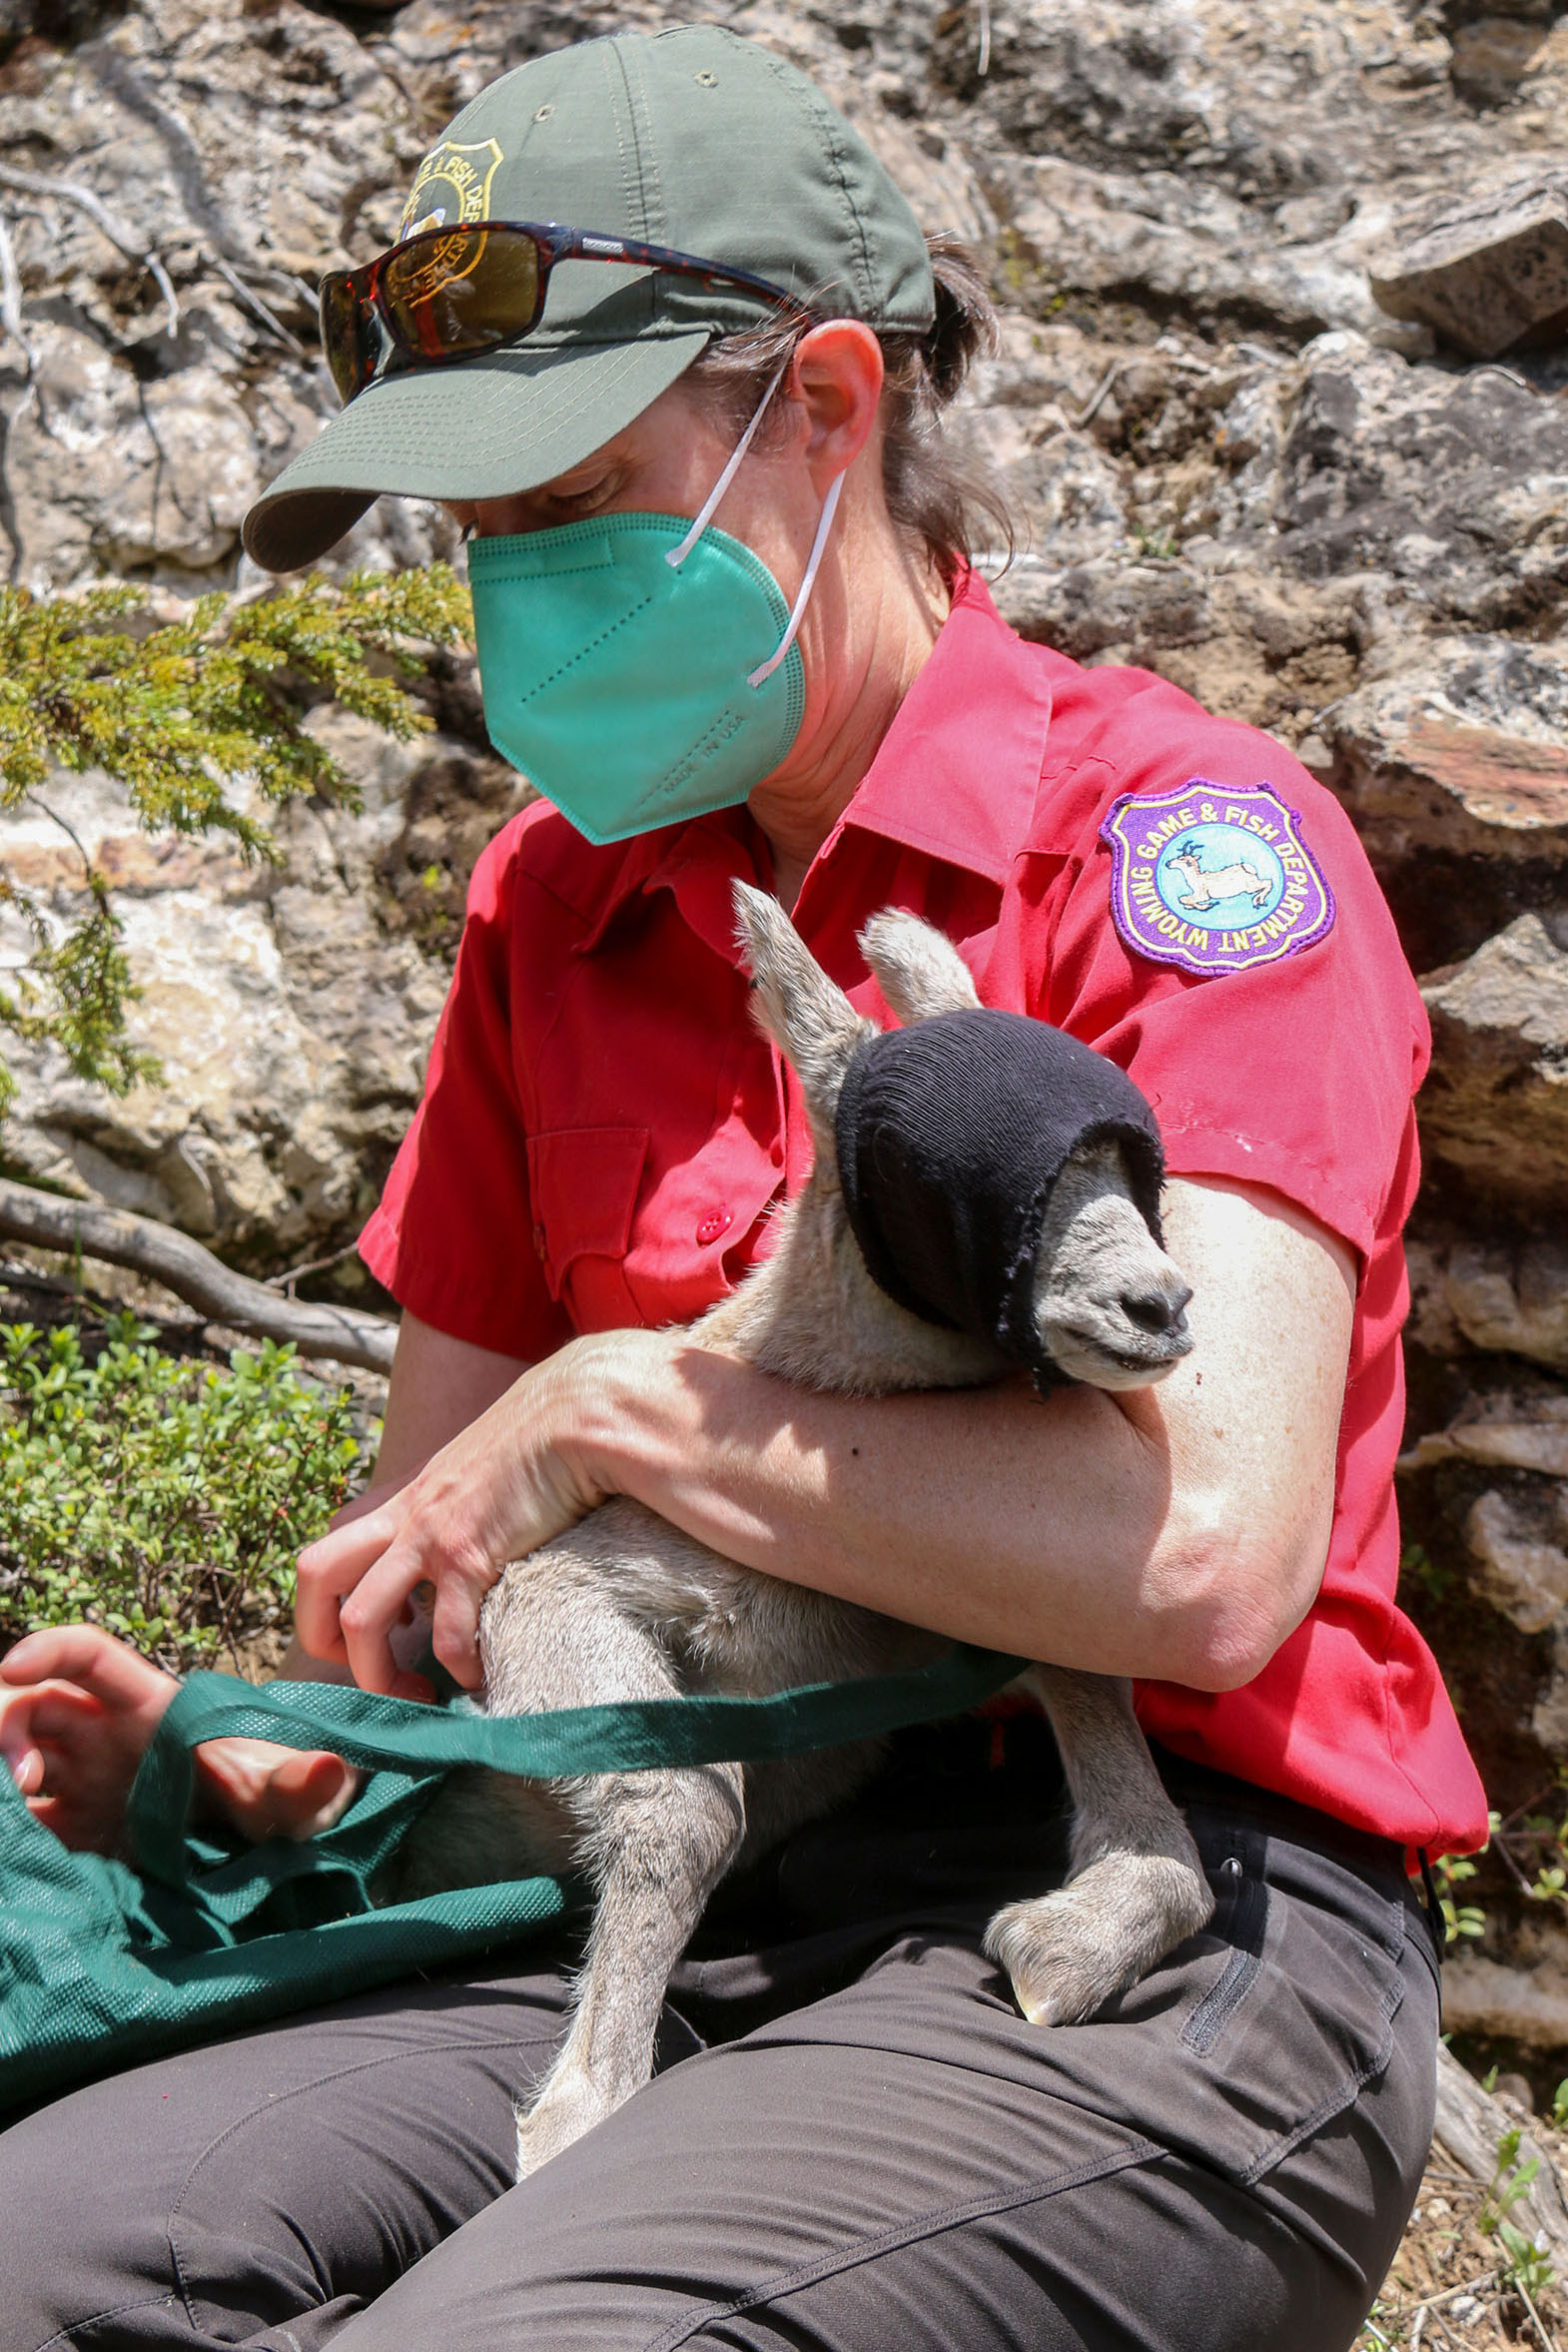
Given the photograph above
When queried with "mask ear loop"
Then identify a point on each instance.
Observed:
(677, 555)
(824, 525)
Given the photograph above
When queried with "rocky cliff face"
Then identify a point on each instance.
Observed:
(1229, 462)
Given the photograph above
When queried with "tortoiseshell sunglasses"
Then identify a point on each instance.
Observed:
(446, 293)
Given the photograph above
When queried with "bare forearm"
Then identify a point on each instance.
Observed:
(1177, 1534)
(1044, 1526)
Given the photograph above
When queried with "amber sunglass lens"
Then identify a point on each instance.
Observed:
(348, 338)
(453, 291)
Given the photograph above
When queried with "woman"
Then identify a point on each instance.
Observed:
(726, 623)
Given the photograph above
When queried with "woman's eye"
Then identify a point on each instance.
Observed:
(585, 501)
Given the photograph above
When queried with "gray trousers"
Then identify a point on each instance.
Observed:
(853, 2141)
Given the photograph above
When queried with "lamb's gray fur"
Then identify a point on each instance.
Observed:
(624, 1606)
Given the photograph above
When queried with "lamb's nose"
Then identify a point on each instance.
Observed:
(1158, 1311)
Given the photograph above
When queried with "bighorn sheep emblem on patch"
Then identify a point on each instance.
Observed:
(1241, 880)
(1214, 877)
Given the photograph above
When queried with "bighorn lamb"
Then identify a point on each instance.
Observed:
(624, 1606)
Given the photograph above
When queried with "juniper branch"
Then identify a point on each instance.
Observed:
(185, 715)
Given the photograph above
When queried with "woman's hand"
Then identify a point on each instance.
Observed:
(508, 1483)
(78, 1711)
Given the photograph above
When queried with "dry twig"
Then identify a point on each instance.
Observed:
(1541, 2329)
(124, 240)
(344, 1334)
(11, 295)
(263, 311)
(1091, 404)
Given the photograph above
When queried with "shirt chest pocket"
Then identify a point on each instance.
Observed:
(584, 1183)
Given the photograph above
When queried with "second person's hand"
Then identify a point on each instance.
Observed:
(78, 1711)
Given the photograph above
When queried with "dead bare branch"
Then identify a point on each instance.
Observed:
(1548, 2342)
(263, 309)
(1470, 2122)
(342, 1334)
(11, 295)
(123, 238)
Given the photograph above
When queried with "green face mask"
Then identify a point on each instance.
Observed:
(640, 668)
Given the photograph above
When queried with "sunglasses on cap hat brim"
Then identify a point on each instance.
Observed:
(449, 294)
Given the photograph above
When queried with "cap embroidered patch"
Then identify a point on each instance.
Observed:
(1214, 878)
(451, 188)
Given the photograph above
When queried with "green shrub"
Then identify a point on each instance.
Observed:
(162, 1497)
(179, 715)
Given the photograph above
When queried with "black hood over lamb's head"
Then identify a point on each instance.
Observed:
(951, 1134)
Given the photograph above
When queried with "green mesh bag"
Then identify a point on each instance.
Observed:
(104, 1964)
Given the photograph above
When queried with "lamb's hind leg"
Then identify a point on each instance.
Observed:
(653, 1843)
(1137, 1886)
(663, 1840)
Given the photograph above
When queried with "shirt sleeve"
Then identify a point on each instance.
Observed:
(453, 1237)
(1295, 1073)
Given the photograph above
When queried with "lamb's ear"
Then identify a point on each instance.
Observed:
(794, 1003)
(918, 970)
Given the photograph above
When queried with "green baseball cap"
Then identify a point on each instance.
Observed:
(694, 139)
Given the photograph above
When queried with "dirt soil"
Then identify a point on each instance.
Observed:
(1450, 2284)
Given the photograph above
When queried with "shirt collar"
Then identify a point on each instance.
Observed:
(958, 772)
(956, 776)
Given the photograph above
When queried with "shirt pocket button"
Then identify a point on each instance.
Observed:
(717, 1222)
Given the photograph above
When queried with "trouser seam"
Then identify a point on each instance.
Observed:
(271, 2105)
(904, 2233)
(63, 2335)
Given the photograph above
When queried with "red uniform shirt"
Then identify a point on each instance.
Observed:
(604, 1131)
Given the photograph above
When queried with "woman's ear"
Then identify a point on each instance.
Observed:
(836, 375)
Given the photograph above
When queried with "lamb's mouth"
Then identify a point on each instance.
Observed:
(1154, 1358)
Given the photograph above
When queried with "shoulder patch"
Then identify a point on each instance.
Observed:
(1214, 878)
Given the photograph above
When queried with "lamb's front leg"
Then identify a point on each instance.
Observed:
(1137, 1886)
(556, 1632)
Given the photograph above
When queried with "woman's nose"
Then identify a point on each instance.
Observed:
(499, 518)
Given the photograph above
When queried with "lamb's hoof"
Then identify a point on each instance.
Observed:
(567, 2106)
(1068, 1953)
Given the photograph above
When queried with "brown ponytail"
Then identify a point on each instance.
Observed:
(941, 501)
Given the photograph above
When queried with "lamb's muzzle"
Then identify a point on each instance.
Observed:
(1109, 1307)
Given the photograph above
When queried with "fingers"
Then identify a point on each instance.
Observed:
(380, 1604)
(48, 1721)
(94, 1661)
(328, 1570)
(454, 1626)
(310, 1793)
(494, 1493)
(19, 1748)
(355, 1586)
(60, 1746)
(71, 1651)
(266, 1790)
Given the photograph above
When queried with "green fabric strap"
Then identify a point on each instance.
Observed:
(104, 1964)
